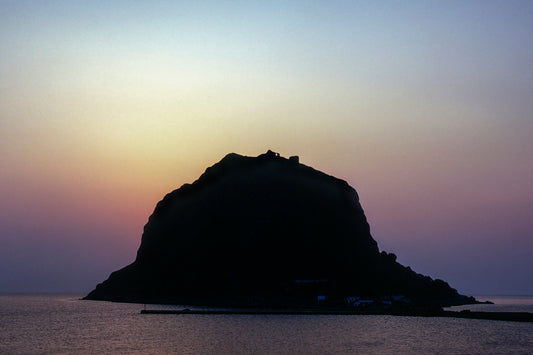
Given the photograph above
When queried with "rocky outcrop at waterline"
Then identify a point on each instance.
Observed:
(265, 231)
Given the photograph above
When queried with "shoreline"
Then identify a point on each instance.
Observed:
(501, 316)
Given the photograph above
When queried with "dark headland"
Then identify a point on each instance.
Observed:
(268, 232)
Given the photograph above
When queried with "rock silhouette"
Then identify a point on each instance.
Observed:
(265, 231)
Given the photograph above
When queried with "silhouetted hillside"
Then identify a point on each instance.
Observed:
(264, 230)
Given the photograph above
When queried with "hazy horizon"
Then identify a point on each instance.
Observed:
(424, 107)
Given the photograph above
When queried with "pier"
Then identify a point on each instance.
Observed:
(501, 316)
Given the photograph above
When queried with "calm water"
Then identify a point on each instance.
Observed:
(62, 324)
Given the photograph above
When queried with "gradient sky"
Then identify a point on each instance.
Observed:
(425, 107)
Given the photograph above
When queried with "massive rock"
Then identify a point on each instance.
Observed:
(264, 230)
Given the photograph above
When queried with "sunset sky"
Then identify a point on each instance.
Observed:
(424, 107)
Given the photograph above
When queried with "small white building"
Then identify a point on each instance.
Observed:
(358, 302)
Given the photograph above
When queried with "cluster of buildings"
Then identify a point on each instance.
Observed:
(359, 302)
(319, 287)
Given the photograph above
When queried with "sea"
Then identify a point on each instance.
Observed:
(64, 324)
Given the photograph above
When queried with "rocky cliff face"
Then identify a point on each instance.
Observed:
(264, 230)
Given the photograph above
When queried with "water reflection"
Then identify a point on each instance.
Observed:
(65, 325)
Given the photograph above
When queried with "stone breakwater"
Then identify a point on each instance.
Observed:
(501, 316)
